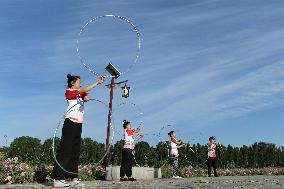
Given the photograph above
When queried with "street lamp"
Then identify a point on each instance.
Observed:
(113, 70)
(115, 73)
(125, 91)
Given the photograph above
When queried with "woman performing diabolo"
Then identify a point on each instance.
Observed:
(175, 145)
(211, 161)
(69, 153)
(127, 156)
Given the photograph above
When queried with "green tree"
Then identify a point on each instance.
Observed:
(142, 153)
(46, 151)
(100, 150)
(87, 151)
(221, 150)
(162, 153)
(91, 152)
(27, 149)
(244, 151)
(116, 152)
(201, 155)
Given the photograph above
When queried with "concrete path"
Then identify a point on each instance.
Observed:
(245, 182)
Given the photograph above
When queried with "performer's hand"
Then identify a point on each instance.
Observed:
(101, 79)
(87, 97)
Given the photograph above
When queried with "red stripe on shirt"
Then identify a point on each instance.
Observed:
(174, 140)
(83, 94)
(129, 132)
(73, 94)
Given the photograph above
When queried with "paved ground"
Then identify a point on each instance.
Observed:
(245, 182)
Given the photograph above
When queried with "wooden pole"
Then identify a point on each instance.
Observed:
(112, 87)
(109, 119)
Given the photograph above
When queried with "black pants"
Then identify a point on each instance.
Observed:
(211, 161)
(174, 165)
(69, 152)
(126, 162)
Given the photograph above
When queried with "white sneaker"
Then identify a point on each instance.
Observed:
(176, 177)
(77, 183)
(60, 184)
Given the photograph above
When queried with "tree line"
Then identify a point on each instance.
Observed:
(257, 155)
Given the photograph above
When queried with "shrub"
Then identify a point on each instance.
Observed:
(15, 172)
(199, 172)
(89, 172)
(41, 174)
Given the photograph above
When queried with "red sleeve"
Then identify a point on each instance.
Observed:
(71, 95)
(129, 132)
(173, 140)
(83, 94)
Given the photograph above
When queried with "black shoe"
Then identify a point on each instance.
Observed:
(123, 179)
(132, 179)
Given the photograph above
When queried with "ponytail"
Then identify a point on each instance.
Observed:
(71, 79)
(125, 123)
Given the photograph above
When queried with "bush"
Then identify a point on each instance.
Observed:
(89, 172)
(41, 174)
(199, 172)
(166, 171)
(12, 171)
(15, 172)
(2, 176)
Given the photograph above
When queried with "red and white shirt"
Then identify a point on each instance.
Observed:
(128, 140)
(174, 146)
(75, 109)
(211, 150)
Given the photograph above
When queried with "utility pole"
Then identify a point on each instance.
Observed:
(5, 136)
(112, 86)
(110, 111)
(115, 73)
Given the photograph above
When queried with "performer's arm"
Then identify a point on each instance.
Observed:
(93, 85)
(180, 146)
(178, 142)
(137, 130)
(138, 136)
(87, 97)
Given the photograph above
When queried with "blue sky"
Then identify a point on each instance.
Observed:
(212, 67)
